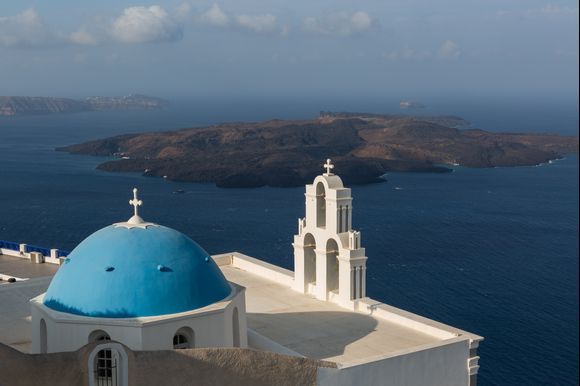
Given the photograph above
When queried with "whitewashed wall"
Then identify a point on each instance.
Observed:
(444, 364)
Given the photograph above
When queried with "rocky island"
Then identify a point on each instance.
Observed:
(289, 153)
(26, 105)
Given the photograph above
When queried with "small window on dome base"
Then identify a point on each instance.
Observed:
(98, 336)
(183, 339)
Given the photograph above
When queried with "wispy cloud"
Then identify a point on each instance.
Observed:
(259, 23)
(90, 34)
(340, 24)
(183, 11)
(448, 50)
(26, 29)
(145, 25)
(136, 25)
(214, 16)
(266, 23)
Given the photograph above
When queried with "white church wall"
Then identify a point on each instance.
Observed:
(52, 259)
(261, 268)
(408, 319)
(260, 342)
(10, 252)
(222, 259)
(235, 330)
(211, 327)
(207, 331)
(441, 364)
(72, 333)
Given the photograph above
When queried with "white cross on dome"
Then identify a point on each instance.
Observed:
(135, 202)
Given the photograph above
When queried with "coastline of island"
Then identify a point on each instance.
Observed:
(26, 105)
(285, 153)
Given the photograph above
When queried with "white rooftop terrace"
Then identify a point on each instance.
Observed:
(324, 330)
(278, 317)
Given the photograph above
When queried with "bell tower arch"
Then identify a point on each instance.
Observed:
(329, 261)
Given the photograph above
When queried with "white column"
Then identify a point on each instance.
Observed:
(321, 291)
(348, 217)
(310, 205)
(344, 279)
(364, 281)
(299, 284)
(357, 282)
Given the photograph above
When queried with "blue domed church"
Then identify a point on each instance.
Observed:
(137, 286)
(142, 284)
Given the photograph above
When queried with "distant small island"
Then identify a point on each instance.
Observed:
(290, 153)
(26, 105)
(411, 105)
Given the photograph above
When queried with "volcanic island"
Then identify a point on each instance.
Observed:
(291, 152)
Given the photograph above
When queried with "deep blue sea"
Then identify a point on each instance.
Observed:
(491, 251)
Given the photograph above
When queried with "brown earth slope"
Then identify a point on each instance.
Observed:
(289, 153)
(202, 366)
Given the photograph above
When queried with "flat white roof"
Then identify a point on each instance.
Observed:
(299, 322)
(15, 329)
(319, 329)
(23, 268)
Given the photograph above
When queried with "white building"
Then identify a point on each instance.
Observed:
(152, 288)
(142, 284)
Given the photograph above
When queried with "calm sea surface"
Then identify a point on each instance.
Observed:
(491, 251)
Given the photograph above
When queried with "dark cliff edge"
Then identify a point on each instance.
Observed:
(290, 153)
(26, 105)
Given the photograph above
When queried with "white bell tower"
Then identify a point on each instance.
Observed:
(328, 259)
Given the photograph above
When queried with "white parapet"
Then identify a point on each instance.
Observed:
(36, 257)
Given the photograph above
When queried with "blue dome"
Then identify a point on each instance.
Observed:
(121, 272)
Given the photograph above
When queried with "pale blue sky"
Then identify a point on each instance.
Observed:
(366, 48)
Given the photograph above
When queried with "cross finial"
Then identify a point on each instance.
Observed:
(135, 202)
(328, 166)
(135, 221)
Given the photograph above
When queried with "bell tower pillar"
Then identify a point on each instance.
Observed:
(329, 262)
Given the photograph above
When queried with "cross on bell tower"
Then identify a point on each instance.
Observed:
(328, 166)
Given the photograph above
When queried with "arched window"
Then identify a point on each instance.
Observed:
(332, 267)
(309, 262)
(108, 365)
(98, 336)
(43, 337)
(183, 338)
(180, 341)
(105, 371)
(320, 205)
(236, 327)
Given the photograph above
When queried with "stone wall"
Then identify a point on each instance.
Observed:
(212, 366)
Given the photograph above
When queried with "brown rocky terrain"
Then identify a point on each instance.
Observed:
(290, 153)
(201, 366)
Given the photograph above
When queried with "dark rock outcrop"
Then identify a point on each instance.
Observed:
(291, 153)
